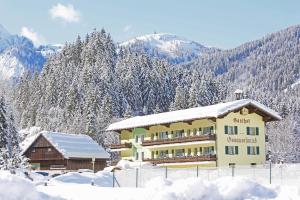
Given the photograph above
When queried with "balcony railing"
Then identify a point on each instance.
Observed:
(182, 159)
(120, 146)
(179, 140)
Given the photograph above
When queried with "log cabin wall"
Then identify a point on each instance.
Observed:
(74, 164)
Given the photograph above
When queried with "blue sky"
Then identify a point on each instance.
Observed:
(224, 23)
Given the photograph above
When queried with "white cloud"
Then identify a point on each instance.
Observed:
(67, 13)
(36, 38)
(127, 28)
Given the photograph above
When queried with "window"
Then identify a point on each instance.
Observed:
(200, 131)
(179, 152)
(172, 152)
(152, 136)
(194, 131)
(152, 154)
(252, 131)
(33, 150)
(189, 152)
(142, 138)
(136, 139)
(252, 150)
(195, 151)
(208, 150)
(188, 132)
(143, 155)
(163, 135)
(164, 154)
(231, 150)
(231, 130)
(200, 150)
(49, 149)
(208, 130)
(137, 155)
(179, 133)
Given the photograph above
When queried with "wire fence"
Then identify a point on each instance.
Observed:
(277, 174)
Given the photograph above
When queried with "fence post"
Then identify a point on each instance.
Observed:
(136, 177)
(113, 178)
(270, 171)
(197, 171)
(166, 173)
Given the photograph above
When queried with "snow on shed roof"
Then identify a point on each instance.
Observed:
(75, 145)
(216, 110)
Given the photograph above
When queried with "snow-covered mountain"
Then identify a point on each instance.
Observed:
(171, 47)
(18, 55)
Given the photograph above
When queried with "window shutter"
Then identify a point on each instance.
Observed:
(248, 150)
(226, 149)
(236, 150)
(226, 129)
(248, 130)
(257, 150)
(257, 131)
(236, 130)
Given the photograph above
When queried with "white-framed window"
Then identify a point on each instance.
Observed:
(231, 150)
(163, 135)
(136, 155)
(142, 138)
(164, 154)
(194, 131)
(253, 150)
(231, 130)
(208, 150)
(189, 153)
(179, 133)
(179, 152)
(188, 132)
(136, 139)
(195, 151)
(143, 155)
(208, 130)
(252, 131)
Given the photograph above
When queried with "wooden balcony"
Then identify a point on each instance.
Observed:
(121, 146)
(183, 159)
(179, 140)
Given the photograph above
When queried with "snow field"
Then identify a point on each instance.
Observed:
(14, 187)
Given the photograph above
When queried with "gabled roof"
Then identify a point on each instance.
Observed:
(73, 145)
(212, 111)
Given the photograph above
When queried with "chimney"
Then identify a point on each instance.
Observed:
(238, 94)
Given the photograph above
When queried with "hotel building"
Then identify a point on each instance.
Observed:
(231, 133)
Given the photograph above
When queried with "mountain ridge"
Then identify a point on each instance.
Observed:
(173, 48)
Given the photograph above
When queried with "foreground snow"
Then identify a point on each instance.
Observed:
(86, 185)
(14, 187)
(161, 189)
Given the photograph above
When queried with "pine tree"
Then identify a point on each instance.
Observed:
(10, 153)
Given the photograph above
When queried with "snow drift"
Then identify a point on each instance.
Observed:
(13, 187)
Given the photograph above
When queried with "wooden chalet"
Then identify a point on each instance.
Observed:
(62, 151)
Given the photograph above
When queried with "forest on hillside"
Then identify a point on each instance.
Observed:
(92, 83)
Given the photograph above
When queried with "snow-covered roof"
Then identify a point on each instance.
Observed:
(212, 111)
(75, 145)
